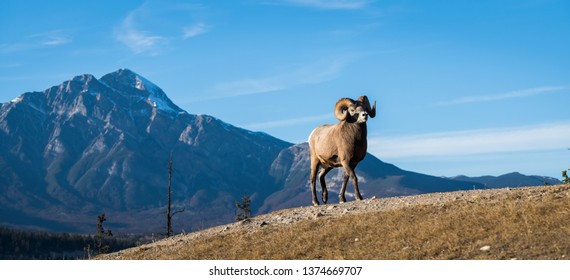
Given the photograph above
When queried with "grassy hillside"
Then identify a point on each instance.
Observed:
(525, 223)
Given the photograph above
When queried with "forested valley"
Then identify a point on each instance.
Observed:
(16, 244)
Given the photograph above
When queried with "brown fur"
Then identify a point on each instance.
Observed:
(340, 145)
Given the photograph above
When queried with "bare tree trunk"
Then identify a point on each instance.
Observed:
(169, 212)
(169, 231)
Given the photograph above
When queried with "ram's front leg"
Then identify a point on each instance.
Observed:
(313, 180)
(349, 173)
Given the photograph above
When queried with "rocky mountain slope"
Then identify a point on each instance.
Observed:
(88, 145)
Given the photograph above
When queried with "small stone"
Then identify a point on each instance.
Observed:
(331, 207)
(264, 223)
(318, 214)
(485, 248)
(355, 239)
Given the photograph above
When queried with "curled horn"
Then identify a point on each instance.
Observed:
(370, 110)
(341, 108)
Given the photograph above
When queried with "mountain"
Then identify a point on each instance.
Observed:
(511, 180)
(88, 146)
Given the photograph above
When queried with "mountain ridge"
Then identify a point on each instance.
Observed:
(512, 179)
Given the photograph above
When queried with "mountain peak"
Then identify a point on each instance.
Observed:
(123, 72)
(126, 78)
(85, 78)
(127, 81)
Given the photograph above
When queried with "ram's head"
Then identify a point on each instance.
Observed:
(351, 111)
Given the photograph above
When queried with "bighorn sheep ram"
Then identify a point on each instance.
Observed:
(340, 145)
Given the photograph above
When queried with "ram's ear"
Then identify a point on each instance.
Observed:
(341, 108)
(370, 110)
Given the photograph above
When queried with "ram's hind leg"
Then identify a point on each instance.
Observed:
(313, 179)
(322, 173)
(341, 197)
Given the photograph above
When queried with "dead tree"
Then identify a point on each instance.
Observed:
(169, 212)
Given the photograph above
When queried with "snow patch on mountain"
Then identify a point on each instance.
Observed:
(160, 104)
(17, 99)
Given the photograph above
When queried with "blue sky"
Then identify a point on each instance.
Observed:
(463, 87)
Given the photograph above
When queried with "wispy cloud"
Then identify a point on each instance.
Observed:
(249, 86)
(52, 38)
(473, 142)
(331, 4)
(312, 73)
(153, 29)
(503, 96)
(194, 30)
(139, 41)
(47, 39)
(286, 122)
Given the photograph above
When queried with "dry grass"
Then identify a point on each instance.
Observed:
(519, 226)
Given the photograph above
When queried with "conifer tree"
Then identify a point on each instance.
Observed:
(101, 233)
(244, 208)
